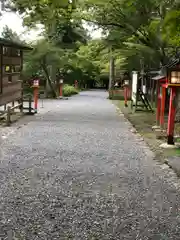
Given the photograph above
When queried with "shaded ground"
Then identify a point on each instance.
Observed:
(78, 172)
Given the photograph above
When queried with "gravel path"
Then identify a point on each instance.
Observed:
(78, 172)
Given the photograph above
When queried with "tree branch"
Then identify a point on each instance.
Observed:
(104, 23)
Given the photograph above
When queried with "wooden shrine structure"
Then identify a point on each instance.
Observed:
(11, 64)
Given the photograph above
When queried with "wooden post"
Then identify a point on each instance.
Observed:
(163, 99)
(21, 107)
(29, 103)
(152, 92)
(157, 90)
(171, 118)
(8, 118)
(125, 96)
(158, 110)
(13, 105)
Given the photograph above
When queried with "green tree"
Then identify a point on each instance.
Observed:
(136, 20)
(44, 55)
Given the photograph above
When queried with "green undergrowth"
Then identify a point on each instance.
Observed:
(69, 90)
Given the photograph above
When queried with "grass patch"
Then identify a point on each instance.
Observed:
(177, 151)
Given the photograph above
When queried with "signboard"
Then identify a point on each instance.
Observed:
(61, 81)
(144, 89)
(36, 83)
(134, 87)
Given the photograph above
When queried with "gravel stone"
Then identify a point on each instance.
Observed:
(77, 172)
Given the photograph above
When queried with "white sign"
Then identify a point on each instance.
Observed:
(144, 89)
(61, 81)
(134, 86)
(36, 83)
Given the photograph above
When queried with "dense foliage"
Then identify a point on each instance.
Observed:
(137, 34)
(138, 30)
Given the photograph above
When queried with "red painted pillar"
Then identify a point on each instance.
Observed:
(35, 99)
(163, 99)
(171, 118)
(36, 92)
(127, 93)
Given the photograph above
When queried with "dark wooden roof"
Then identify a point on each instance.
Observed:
(158, 77)
(8, 43)
(173, 62)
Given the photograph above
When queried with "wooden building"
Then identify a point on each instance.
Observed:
(11, 64)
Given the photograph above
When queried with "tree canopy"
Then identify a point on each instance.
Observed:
(137, 32)
(142, 28)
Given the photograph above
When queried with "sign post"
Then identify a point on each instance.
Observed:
(134, 88)
(42, 96)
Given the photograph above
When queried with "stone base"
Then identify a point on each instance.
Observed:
(170, 146)
(158, 130)
(62, 98)
(155, 127)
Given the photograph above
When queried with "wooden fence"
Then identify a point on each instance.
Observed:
(9, 110)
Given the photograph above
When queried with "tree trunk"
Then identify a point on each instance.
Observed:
(53, 74)
(49, 80)
(111, 72)
(47, 87)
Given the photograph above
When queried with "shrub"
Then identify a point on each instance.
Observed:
(69, 90)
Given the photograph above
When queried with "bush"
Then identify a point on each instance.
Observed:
(69, 90)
